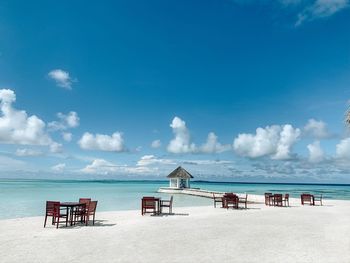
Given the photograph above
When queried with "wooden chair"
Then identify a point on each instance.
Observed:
(268, 198)
(168, 204)
(277, 200)
(230, 200)
(243, 200)
(81, 211)
(318, 199)
(286, 200)
(91, 210)
(217, 199)
(148, 203)
(53, 210)
(307, 198)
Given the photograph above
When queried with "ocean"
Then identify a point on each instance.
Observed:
(23, 198)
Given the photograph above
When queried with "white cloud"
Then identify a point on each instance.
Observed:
(274, 141)
(343, 149)
(59, 167)
(316, 129)
(16, 127)
(321, 9)
(56, 147)
(181, 142)
(66, 121)
(28, 152)
(316, 153)
(67, 136)
(101, 142)
(151, 159)
(100, 166)
(156, 144)
(61, 78)
(213, 146)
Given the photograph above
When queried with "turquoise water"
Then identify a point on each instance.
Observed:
(21, 198)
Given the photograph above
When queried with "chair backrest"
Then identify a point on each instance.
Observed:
(52, 207)
(306, 197)
(148, 202)
(84, 200)
(92, 206)
(286, 196)
(278, 197)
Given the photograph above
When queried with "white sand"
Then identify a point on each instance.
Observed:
(197, 234)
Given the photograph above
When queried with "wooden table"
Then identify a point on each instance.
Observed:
(70, 206)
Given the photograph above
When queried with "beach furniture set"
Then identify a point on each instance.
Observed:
(230, 200)
(71, 213)
(276, 199)
(155, 205)
(283, 200)
(310, 199)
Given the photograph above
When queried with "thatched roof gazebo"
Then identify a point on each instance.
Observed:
(179, 178)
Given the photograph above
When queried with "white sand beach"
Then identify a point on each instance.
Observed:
(193, 234)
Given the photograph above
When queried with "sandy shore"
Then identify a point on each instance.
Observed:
(193, 234)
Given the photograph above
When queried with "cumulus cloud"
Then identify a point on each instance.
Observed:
(100, 166)
(101, 142)
(316, 129)
(213, 146)
(62, 78)
(67, 136)
(56, 147)
(151, 159)
(274, 141)
(28, 152)
(321, 9)
(156, 144)
(316, 153)
(66, 121)
(16, 127)
(181, 142)
(58, 167)
(343, 149)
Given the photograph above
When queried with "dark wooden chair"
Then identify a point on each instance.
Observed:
(286, 200)
(167, 204)
(277, 200)
(318, 198)
(80, 211)
(53, 210)
(217, 199)
(90, 211)
(244, 200)
(268, 198)
(230, 200)
(148, 203)
(307, 198)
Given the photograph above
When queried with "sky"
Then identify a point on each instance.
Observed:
(232, 90)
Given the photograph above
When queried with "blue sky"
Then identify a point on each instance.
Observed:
(232, 90)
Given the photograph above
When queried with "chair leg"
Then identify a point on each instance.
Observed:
(45, 221)
(58, 222)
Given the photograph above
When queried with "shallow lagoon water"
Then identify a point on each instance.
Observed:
(22, 198)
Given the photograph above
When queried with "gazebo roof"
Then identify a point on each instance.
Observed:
(180, 172)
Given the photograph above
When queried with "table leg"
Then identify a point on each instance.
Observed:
(67, 216)
(71, 216)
